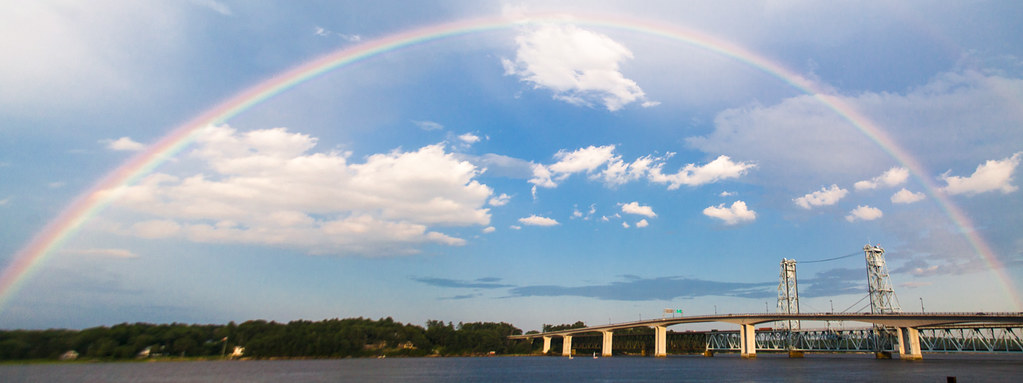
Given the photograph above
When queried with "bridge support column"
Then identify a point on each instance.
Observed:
(606, 350)
(909, 343)
(747, 341)
(566, 347)
(546, 344)
(660, 341)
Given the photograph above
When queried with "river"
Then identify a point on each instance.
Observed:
(721, 368)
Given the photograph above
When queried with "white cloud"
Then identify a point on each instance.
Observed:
(56, 184)
(726, 194)
(156, 229)
(906, 196)
(500, 200)
(642, 223)
(115, 253)
(352, 38)
(469, 138)
(123, 144)
(580, 66)
(892, 177)
(691, 175)
(618, 172)
(428, 125)
(89, 56)
(933, 119)
(5, 201)
(636, 208)
(585, 159)
(535, 220)
(824, 197)
(515, 227)
(864, 213)
(625, 225)
(542, 178)
(489, 229)
(323, 32)
(214, 5)
(737, 213)
(267, 187)
(990, 176)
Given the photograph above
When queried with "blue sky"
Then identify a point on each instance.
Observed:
(542, 173)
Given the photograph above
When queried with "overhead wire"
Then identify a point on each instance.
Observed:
(832, 259)
(854, 304)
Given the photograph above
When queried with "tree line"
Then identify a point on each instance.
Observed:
(332, 338)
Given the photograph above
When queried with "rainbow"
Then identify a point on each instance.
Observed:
(88, 204)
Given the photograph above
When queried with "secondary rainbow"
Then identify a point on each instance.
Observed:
(33, 255)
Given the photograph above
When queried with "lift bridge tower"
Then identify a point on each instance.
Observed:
(882, 296)
(788, 291)
(879, 285)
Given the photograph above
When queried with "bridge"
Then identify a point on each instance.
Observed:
(907, 327)
(885, 316)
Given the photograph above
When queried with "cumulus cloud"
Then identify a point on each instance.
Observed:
(123, 144)
(824, 197)
(580, 66)
(489, 229)
(732, 215)
(580, 160)
(993, 175)
(892, 177)
(864, 213)
(636, 208)
(691, 175)
(500, 200)
(906, 196)
(617, 172)
(469, 138)
(268, 187)
(535, 220)
(642, 223)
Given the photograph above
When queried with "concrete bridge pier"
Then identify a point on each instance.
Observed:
(660, 341)
(606, 350)
(747, 341)
(546, 344)
(566, 347)
(909, 343)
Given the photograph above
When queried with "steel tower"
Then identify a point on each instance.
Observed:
(788, 291)
(879, 286)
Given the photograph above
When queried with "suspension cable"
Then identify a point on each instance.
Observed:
(832, 259)
(854, 304)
